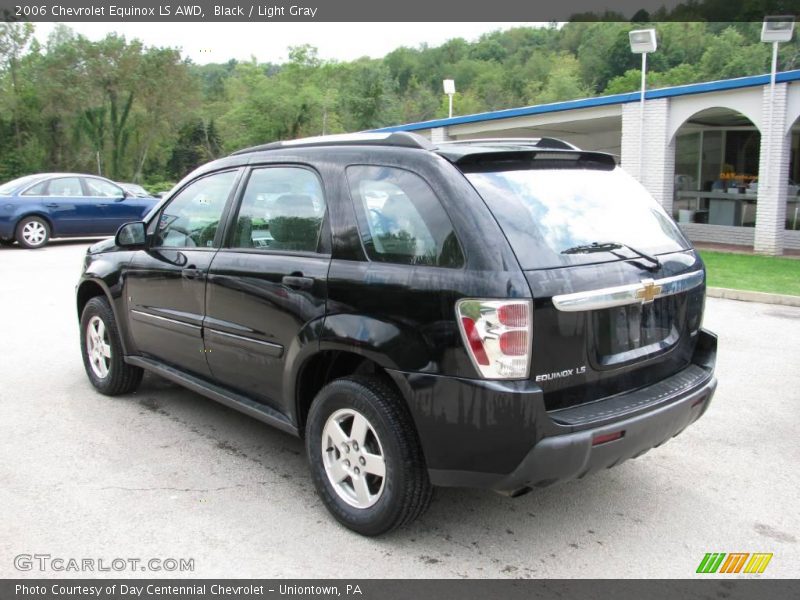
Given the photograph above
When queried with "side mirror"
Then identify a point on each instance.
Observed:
(131, 235)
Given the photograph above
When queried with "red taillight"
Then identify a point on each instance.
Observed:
(514, 343)
(497, 335)
(475, 343)
(513, 315)
(607, 437)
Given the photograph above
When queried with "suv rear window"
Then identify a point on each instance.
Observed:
(547, 214)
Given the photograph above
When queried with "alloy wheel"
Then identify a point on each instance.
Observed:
(98, 347)
(353, 458)
(34, 233)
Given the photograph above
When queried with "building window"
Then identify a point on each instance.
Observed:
(716, 176)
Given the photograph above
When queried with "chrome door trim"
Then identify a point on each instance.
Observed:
(245, 343)
(149, 318)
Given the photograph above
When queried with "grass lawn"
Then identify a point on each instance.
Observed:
(757, 273)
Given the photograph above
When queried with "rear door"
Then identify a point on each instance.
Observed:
(165, 283)
(267, 286)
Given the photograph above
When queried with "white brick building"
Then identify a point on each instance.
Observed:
(709, 154)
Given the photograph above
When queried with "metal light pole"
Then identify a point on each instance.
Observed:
(774, 30)
(642, 41)
(450, 90)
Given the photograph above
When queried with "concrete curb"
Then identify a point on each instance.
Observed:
(748, 296)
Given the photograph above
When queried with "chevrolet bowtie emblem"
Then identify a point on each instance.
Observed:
(648, 292)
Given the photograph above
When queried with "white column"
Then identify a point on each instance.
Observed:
(440, 134)
(658, 157)
(773, 173)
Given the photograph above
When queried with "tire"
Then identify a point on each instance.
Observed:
(102, 353)
(33, 232)
(362, 500)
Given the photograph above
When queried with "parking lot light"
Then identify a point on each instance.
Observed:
(642, 42)
(450, 90)
(774, 30)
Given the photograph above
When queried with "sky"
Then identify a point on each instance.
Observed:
(268, 42)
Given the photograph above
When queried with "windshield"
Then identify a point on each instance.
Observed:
(8, 188)
(548, 214)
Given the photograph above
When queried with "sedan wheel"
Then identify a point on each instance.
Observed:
(33, 232)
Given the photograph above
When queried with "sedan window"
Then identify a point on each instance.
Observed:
(37, 190)
(104, 189)
(65, 186)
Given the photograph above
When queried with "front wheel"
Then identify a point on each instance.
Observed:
(365, 457)
(102, 351)
(33, 232)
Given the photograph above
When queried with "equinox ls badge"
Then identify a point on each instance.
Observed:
(649, 291)
(561, 374)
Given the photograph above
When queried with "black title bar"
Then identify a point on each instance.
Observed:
(389, 10)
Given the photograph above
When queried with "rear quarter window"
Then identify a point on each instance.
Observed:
(400, 219)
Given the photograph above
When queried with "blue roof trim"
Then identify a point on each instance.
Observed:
(679, 90)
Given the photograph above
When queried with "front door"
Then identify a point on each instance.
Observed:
(267, 287)
(71, 212)
(115, 207)
(165, 283)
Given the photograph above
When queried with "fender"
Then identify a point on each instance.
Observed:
(387, 344)
(106, 275)
(391, 344)
(32, 211)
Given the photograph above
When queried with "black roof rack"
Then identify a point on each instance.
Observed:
(402, 139)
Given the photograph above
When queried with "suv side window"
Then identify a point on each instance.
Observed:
(400, 218)
(282, 209)
(191, 218)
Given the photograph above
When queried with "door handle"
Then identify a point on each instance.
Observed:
(298, 281)
(52, 205)
(192, 272)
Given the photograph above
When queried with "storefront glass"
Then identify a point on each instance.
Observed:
(716, 174)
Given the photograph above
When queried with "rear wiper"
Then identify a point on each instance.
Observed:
(610, 247)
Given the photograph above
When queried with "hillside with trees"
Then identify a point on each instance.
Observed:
(150, 115)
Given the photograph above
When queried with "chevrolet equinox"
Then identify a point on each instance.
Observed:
(502, 314)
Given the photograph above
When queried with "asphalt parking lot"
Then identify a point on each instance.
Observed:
(167, 473)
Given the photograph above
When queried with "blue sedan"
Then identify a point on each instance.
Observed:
(37, 207)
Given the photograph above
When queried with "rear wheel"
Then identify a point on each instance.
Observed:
(33, 232)
(365, 456)
(102, 351)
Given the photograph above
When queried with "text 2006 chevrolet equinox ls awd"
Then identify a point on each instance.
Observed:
(502, 314)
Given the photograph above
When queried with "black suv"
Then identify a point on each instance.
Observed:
(493, 313)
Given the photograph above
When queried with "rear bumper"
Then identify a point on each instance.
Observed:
(498, 435)
(574, 455)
